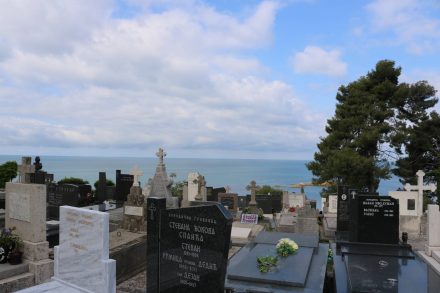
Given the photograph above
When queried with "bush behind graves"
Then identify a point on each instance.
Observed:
(8, 171)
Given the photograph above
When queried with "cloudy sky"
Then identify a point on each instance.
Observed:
(219, 79)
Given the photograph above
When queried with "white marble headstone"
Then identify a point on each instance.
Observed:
(433, 226)
(81, 258)
(333, 204)
(297, 200)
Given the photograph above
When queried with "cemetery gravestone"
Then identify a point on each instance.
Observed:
(81, 259)
(296, 200)
(59, 195)
(26, 211)
(433, 243)
(110, 192)
(26, 167)
(229, 200)
(102, 187)
(374, 219)
(194, 245)
(333, 204)
(82, 256)
(343, 216)
(39, 176)
(134, 210)
(212, 193)
(155, 205)
(161, 185)
(267, 202)
(303, 271)
(420, 187)
(123, 185)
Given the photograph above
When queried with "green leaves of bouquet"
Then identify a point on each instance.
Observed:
(284, 247)
(267, 263)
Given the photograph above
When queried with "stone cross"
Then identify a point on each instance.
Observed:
(25, 167)
(161, 154)
(420, 188)
(228, 188)
(253, 187)
(201, 183)
(136, 172)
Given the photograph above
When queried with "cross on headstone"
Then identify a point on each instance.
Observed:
(136, 172)
(201, 183)
(161, 154)
(420, 188)
(25, 167)
(253, 187)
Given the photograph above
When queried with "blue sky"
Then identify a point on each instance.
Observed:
(220, 79)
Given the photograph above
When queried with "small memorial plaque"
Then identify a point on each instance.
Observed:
(19, 207)
(134, 211)
(249, 218)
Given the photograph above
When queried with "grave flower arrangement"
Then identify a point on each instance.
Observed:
(10, 245)
(284, 248)
(267, 263)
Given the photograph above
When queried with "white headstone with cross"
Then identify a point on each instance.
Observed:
(420, 188)
(136, 172)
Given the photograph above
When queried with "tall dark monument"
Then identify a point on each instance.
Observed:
(123, 184)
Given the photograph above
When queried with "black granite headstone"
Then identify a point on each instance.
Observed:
(375, 219)
(242, 202)
(155, 205)
(212, 193)
(229, 200)
(277, 202)
(59, 195)
(101, 192)
(85, 194)
(123, 184)
(194, 245)
(110, 192)
(343, 213)
(267, 202)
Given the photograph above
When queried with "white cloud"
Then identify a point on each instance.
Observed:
(410, 22)
(46, 26)
(175, 78)
(315, 60)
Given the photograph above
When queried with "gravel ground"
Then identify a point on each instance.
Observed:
(134, 285)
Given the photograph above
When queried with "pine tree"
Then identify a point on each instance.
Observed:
(371, 114)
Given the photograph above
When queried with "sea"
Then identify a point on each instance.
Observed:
(235, 173)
